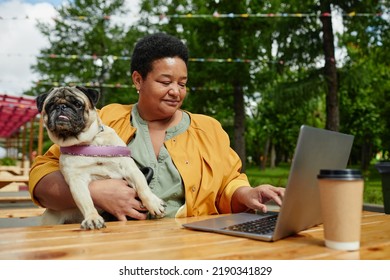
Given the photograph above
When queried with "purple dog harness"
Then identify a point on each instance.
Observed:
(96, 151)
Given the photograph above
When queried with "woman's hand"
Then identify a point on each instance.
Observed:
(116, 197)
(246, 198)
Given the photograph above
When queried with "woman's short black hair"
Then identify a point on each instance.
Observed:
(153, 47)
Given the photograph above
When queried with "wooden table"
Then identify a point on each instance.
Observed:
(13, 174)
(167, 239)
(6, 180)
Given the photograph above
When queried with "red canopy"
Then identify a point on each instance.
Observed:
(15, 112)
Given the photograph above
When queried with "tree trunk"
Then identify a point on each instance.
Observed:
(330, 70)
(264, 158)
(366, 153)
(239, 125)
(273, 156)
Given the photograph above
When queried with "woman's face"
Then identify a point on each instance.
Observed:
(162, 93)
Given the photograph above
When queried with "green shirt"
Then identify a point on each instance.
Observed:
(166, 183)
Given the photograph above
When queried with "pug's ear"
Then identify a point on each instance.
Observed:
(92, 94)
(40, 100)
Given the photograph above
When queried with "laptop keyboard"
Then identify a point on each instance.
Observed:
(263, 225)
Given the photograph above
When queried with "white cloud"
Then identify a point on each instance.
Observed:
(21, 41)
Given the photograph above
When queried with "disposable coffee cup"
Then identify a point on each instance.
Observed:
(341, 196)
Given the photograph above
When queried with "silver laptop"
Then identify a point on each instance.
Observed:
(316, 149)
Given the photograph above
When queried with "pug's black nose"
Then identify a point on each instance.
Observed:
(61, 107)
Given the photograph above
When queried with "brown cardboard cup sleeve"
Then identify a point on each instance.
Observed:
(341, 196)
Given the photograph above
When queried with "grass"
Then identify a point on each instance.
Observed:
(278, 177)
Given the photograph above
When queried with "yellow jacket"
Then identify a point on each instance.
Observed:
(209, 167)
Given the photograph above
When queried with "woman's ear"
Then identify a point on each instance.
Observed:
(137, 80)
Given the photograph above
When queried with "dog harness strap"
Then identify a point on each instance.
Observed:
(96, 151)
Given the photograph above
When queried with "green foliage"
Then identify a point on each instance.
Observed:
(82, 29)
(282, 78)
(7, 161)
(283, 86)
(275, 176)
(365, 81)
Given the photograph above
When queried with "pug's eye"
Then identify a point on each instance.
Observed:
(78, 104)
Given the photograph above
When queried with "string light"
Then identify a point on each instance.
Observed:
(128, 58)
(88, 84)
(214, 15)
(117, 85)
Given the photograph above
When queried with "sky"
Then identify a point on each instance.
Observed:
(21, 41)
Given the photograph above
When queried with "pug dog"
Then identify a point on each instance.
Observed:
(89, 151)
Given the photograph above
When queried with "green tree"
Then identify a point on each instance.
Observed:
(88, 47)
(272, 73)
(228, 87)
(215, 88)
(365, 77)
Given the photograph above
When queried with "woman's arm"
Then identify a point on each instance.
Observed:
(111, 195)
(52, 192)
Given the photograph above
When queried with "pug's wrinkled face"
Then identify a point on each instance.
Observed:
(67, 111)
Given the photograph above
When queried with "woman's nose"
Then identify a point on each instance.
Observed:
(175, 89)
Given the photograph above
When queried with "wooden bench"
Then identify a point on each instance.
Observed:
(21, 212)
(14, 174)
(7, 180)
(14, 170)
(14, 199)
